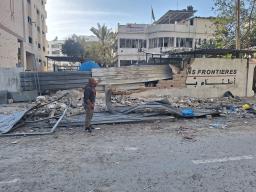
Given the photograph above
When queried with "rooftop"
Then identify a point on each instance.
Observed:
(173, 16)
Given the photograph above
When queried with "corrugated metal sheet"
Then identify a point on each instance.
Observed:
(7, 122)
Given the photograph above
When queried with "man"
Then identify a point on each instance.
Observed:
(89, 103)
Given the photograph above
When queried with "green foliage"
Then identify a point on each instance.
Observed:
(73, 47)
(226, 23)
(105, 49)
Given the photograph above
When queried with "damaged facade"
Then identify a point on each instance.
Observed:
(23, 31)
(176, 30)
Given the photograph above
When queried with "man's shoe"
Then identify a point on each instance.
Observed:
(88, 129)
(92, 127)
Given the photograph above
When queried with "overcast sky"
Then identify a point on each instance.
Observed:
(66, 17)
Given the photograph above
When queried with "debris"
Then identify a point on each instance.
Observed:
(35, 134)
(218, 126)
(246, 106)
(14, 142)
(41, 99)
(228, 94)
(10, 101)
(187, 112)
(187, 133)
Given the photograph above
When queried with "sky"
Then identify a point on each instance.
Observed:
(67, 17)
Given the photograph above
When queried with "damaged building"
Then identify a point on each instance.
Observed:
(175, 30)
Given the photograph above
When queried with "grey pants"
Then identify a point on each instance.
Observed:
(88, 117)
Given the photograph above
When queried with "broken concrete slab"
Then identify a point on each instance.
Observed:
(3, 97)
(24, 96)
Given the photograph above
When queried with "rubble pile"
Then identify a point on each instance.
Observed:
(228, 106)
(124, 100)
(55, 104)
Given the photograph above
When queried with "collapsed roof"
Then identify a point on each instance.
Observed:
(173, 16)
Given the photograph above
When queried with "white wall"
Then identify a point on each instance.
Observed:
(201, 29)
(218, 73)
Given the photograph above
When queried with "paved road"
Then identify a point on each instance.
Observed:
(144, 157)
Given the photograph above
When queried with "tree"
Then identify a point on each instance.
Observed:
(73, 47)
(226, 23)
(107, 45)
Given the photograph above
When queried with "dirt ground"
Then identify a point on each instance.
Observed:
(160, 156)
(132, 157)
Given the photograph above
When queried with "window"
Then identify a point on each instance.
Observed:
(142, 43)
(171, 42)
(28, 1)
(38, 28)
(39, 46)
(155, 42)
(37, 12)
(43, 49)
(29, 20)
(128, 43)
(55, 46)
(30, 40)
(189, 43)
(125, 62)
(57, 52)
(184, 42)
(191, 21)
(199, 41)
(122, 43)
(180, 42)
(133, 43)
(166, 41)
(160, 42)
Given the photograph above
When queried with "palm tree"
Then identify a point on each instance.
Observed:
(107, 41)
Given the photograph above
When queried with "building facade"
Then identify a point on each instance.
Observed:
(23, 31)
(174, 31)
(55, 50)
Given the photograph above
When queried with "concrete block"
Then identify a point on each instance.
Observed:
(3, 97)
(24, 96)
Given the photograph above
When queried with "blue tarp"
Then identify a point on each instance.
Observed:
(88, 65)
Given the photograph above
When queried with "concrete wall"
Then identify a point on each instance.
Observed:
(11, 16)
(211, 77)
(9, 79)
(21, 20)
(8, 50)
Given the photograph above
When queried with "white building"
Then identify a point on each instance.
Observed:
(176, 30)
(23, 34)
(55, 50)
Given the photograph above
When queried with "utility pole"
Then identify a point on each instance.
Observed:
(238, 33)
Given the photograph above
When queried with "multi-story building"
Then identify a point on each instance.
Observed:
(23, 34)
(55, 50)
(176, 30)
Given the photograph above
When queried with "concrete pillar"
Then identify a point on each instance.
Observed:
(23, 55)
